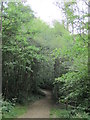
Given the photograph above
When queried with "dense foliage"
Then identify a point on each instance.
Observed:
(20, 56)
(37, 56)
(73, 87)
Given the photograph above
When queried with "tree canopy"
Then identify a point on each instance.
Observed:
(37, 56)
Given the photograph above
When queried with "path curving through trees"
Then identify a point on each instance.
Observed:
(41, 108)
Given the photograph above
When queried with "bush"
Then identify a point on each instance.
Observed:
(6, 106)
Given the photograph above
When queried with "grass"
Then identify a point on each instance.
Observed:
(16, 111)
(63, 113)
(19, 110)
(59, 113)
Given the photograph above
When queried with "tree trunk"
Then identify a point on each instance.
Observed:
(1, 14)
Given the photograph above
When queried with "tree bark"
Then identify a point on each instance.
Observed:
(1, 14)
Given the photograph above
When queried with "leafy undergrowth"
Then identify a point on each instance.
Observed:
(16, 111)
(10, 111)
(33, 98)
(63, 113)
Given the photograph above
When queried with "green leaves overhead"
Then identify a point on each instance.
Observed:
(36, 56)
(19, 55)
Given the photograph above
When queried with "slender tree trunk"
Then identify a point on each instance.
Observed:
(1, 51)
(1, 14)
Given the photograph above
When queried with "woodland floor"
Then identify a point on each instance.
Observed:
(40, 108)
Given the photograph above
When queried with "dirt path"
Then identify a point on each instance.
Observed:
(41, 108)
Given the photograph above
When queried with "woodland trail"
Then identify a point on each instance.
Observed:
(41, 108)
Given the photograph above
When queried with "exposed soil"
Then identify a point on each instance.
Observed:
(40, 108)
